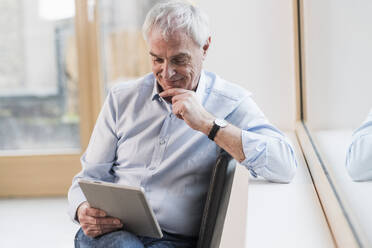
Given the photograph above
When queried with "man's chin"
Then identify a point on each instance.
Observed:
(173, 86)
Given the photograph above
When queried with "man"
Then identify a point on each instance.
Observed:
(165, 130)
(359, 155)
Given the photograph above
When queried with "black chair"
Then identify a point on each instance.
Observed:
(217, 202)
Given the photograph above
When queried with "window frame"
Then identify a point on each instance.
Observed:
(340, 223)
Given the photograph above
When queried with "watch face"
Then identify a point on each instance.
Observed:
(220, 122)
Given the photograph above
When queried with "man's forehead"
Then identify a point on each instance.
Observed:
(180, 54)
(160, 47)
(173, 40)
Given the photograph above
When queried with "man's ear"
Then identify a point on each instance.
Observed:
(206, 47)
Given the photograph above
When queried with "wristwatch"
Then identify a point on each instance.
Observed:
(217, 124)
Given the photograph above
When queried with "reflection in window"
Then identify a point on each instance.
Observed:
(359, 156)
(38, 75)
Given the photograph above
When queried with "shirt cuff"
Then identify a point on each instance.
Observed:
(271, 157)
(254, 148)
(75, 198)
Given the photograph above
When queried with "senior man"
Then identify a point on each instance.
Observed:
(165, 130)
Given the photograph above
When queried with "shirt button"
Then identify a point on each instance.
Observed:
(151, 168)
(162, 142)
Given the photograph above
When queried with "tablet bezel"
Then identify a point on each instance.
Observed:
(109, 197)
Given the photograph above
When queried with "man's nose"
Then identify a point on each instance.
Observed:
(168, 71)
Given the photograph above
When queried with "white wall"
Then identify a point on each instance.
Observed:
(338, 52)
(253, 45)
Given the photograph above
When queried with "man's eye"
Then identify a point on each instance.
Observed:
(179, 61)
(158, 60)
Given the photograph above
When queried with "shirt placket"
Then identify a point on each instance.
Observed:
(162, 142)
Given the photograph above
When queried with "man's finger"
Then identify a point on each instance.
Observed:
(95, 212)
(108, 221)
(89, 228)
(107, 230)
(101, 226)
(112, 226)
(95, 231)
(172, 92)
(93, 234)
(178, 109)
(178, 98)
(101, 221)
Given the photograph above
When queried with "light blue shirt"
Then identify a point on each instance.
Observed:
(359, 155)
(138, 141)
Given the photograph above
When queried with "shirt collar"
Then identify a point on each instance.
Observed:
(200, 90)
(155, 91)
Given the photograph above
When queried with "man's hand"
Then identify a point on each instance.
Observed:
(94, 221)
(186, 106)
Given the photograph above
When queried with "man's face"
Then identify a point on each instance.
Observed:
(176, 63)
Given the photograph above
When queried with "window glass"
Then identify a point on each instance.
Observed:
(38, 76)
(124, 52)
(337, 55)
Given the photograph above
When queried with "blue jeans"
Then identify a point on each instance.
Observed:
(123, 239)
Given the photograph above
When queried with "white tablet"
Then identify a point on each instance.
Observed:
(127, 203)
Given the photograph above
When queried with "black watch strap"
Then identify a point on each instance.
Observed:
(213, 132)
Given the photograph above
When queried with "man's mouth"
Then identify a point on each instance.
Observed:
(172, 82)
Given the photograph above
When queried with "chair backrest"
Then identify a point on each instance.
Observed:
(217, 202)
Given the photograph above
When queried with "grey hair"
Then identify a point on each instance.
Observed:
(172, 16)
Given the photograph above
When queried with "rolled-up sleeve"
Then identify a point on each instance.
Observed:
(359, 154)
(98, 159)
(359, 157)
(268, 152)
